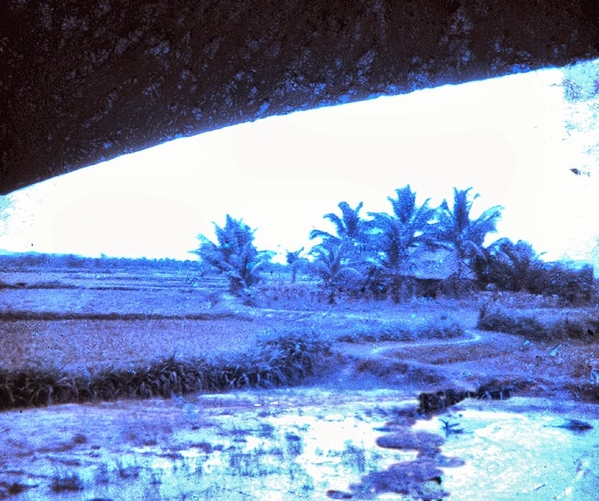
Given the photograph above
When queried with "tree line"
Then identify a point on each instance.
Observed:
(375, 256)
(38, 260)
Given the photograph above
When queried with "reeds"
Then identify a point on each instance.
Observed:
(278, 359)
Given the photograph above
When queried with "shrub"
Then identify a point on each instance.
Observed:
(583, 327)
(298, 352)
(401, 331)
(497, 319)
(66, 482)
(572, 326)
(516, 267)
(296, 296)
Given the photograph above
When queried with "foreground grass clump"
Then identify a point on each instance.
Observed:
(567, 325)
(66, 482)
(402, 331)
(278, 359)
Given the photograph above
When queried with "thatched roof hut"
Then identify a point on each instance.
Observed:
(435, 264)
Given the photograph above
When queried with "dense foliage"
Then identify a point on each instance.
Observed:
(516, 267)
(234, 254)
(381, 255)
(582, 325)
(382, 251)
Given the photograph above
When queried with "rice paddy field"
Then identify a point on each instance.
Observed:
(129, 385)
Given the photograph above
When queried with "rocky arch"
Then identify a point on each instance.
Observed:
(83, 82)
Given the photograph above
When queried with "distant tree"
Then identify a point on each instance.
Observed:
(510, 266)
(294, 260)
(351, 229)
(465, 235)
(332, 265)
(234, 254)
(572, 286)
(354, 232)
(395, 235)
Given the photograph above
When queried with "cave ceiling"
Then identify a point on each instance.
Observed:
(83, 82)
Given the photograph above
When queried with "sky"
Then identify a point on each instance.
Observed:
(507, 138)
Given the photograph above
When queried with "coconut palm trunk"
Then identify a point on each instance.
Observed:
(396, 235)
(465, 235)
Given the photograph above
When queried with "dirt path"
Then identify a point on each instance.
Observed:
(389, 348)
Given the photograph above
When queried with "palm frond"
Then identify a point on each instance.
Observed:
(234, 254)
(337, 222)
(322, 234)
(350, 226)
(466, 235)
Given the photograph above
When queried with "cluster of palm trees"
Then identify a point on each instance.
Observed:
(379, 250)
(516, 267)
(372, 253)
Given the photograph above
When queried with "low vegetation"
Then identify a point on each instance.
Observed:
(279, 358)
(543, 325)
(402, 331)
(65, 482)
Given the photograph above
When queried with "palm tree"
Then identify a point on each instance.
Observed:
(352, 231)
(234, 255)
(462, 233)
(350, 227)
(294, 260)
(331, 264)
(396, 235)
(510, 266)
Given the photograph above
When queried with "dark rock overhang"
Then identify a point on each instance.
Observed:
(83, 82)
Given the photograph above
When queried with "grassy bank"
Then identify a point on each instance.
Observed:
(401, 331)
(278, 359)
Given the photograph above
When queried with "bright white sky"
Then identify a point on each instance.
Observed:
(504, 137)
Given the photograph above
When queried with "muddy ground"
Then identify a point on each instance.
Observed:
(318, 441)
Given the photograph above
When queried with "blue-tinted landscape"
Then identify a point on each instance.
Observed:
(413, 344)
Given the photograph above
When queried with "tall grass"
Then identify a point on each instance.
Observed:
(278, 359)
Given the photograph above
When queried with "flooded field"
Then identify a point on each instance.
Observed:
(351, 430)
(305, 443)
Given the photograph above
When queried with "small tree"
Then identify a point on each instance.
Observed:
(331, 264)
(234, 255)
(350, 229)
(294, 261)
